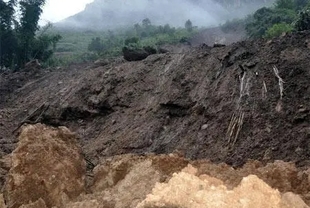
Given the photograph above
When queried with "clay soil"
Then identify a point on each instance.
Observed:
(224, 104)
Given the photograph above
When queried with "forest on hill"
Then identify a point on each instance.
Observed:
(23, 40)
(105, 14)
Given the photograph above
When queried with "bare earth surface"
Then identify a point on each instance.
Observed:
(47, 170)
(248, 100)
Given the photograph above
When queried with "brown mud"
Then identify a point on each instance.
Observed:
(248, 100)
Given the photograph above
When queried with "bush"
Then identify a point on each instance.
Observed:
(131, 41)
(278, 29)
(265, 18)
(303, 21)
(96, 45)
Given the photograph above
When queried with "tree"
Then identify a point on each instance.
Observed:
(168, 30)
(303, 21)
(96, 45)
(265, 18)
(19, 41)
(278, 29)
(284, 4)
(44, 46)
(138, 28)
(300, 4)
(8, 41)
(30, 14)
(131, 41)
(189, 26)
(146, 22)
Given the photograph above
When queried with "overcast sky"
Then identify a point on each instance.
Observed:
(56, 10)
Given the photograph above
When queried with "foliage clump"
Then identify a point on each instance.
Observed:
(19, 38)
(267, 22)
(141, 37)
(303, 21)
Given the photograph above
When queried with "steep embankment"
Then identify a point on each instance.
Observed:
(229, 104)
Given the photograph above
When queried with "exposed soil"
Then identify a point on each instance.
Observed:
(218, 103)
(48, 170)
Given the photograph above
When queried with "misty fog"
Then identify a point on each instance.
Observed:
(107, 14)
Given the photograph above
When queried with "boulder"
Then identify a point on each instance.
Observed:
(134, 54)
(47, 165)
(187, 190)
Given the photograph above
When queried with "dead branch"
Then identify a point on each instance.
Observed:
(240, 124)
(276, 71)
(264, 90)
(42, 108)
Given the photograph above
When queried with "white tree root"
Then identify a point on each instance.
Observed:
(264, 90)
(235, 126)
(281, 82)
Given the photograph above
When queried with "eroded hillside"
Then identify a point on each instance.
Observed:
(249, 100)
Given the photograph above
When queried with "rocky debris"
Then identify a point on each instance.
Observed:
(279, 175)
(114, 176)
(33, 65)
(48, 171)
(134, 54)
(5, 165)
(37, 204)
(47, 167)
(120, 182)
(249, 100)
(101, 62)
(2, 204)
(187, 190)
(125, 180)
(137, 54)
(87, 204)
(225, 104)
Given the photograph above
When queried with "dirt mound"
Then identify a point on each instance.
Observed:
(249, 100)
(48, 170)
(189, 191)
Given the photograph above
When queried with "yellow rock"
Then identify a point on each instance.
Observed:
(47, 164)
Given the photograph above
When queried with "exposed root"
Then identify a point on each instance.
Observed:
(236, 121)
(244, 86)
(235, 126)
(264, 90)
(276, 72)
(38, 112)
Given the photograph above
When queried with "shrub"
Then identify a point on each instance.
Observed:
(278, 29)
(303, 21)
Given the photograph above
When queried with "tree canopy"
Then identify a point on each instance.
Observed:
(284, 16)
(19, 41)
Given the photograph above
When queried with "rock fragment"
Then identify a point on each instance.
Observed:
(47, 165)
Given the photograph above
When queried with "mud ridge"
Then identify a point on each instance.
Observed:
(248, 100)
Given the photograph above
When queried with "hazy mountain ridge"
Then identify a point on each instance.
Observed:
(107, 14)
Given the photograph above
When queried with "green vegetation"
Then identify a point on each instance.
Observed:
(303, 21)
(265, 18)
(189, 26)
(82, 46)
(19, 40)
(278, 29)
(283, 17)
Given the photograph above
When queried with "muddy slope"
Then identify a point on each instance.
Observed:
(229, 104)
